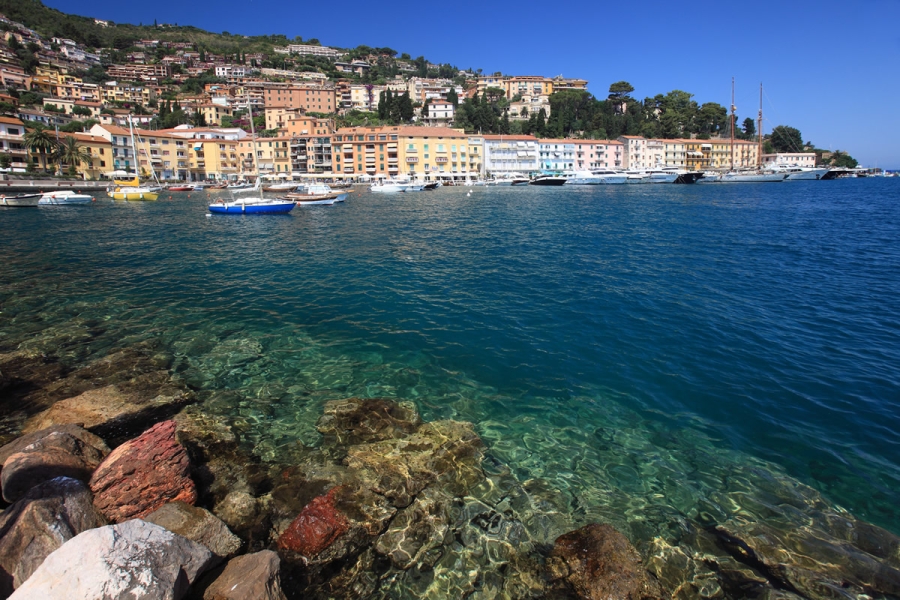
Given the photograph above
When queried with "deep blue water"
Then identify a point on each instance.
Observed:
(598, 337)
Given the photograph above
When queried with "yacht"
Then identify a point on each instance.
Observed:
(65, 197)
(742, 177)
(508, 179)
(797, 173)
(549, 180)
(398, 184)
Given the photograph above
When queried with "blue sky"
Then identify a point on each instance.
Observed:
(830, 69)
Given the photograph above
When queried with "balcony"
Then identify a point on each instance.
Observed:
(412, 159)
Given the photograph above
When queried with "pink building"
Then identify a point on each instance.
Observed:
(598, 154)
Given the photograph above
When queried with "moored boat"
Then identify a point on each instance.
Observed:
(251, 206)
(20, 201)
(553, 180)
(797, 173)
(64, 197)
(181, 188)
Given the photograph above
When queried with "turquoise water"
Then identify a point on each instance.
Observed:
(637, 347)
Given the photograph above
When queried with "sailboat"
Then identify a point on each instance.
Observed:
(733, 176)
(132, 189)
(252, 206)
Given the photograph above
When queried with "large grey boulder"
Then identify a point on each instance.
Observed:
(198, 525)
(134, 559)
(249, 577)
(48, 516)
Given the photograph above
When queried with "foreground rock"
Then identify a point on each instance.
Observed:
(130, 560)
(49, 515)
(142, 475)
(597, 562)
(110, 411)
(198, 525)
(249, 577)
(57, 452)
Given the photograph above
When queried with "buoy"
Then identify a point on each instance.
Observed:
(170, 197)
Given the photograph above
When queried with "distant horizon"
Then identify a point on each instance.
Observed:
(814, 87)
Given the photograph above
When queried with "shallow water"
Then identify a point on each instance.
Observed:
(644, 349)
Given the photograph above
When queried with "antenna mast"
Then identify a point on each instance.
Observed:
(731, 148)
(759, 130)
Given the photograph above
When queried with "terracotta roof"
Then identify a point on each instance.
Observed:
(11, 121)
(511, 138)
(405, 131)
(552, 141)
(600, 142)
(86, 137)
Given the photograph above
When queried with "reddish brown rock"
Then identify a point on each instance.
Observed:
(597, 563)
(143, 474)
(318, 526)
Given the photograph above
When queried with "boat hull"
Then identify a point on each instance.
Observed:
(548, 181)
(242, 208)
(54, 199)
(807, 175)
(24, 201)
(134, 196)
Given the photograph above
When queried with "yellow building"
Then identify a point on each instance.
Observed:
(422, 153)
(100, 150)
(716, 154)
(213, 113)
(126, 93)
(272, 156)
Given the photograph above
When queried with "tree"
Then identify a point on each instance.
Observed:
(749, 127)
(620, 90)
(786, 139)
(425, 108)
(81, 111)
(73, 153)
(405, 108)
(5, 161)
(39, 139)
(452, 97)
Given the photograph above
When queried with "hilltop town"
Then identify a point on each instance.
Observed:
(363, 112)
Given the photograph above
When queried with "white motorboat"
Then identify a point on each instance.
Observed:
(583, 178)
(62, 197)
(637, 177)
(797, 173)
(392, 186)
(20, 201)
(549, 180)
(508, 179)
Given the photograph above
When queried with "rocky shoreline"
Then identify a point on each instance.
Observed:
(118, 484)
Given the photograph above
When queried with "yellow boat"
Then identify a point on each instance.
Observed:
(131, 189)
(133, 193)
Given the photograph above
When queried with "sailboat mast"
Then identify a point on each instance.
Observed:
(732, 124)
(253, 145)
(133, 147)
(759, 131)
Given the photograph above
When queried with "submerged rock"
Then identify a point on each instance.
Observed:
(49, 515)
(597, 562)
(143, 474)
(316, 528)
(198, 525)
(249, 577)
(418, 532)
(360, 420)
(134, 559)
(44, 455)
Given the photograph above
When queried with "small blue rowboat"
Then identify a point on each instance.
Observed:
(252, 207)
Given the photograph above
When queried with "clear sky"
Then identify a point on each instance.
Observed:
(829, 68)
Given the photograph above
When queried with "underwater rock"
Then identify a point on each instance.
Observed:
(597, 562)
(28, 369)
(112, 412)
(810, 561)
(248, 577)
(198, 525)
(447, 453)
(49, 515)
(317, 526)
(50, 453)
(362, 420)
(417, 532)
(134, 559)
(245, 515)
(141, 475)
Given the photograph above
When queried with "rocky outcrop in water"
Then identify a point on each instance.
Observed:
(198, 525)
(47, 516)
(249, 577)
(142, 475)
(134, 559)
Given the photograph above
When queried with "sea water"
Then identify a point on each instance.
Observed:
(635, 347)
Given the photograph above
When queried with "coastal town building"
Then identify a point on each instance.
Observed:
(556, 155)
(308, 50)
(799, 159)
(598, 154)
(505, 154)
(312, 98)
(12, 142)
(100, 150)
(138, 72)
(440, 113)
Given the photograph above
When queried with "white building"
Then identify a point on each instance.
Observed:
(557, 155)
(799, 159)
(439, 113)
(510, 154)
(226, 71)
(634, 152)
(309, 49)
